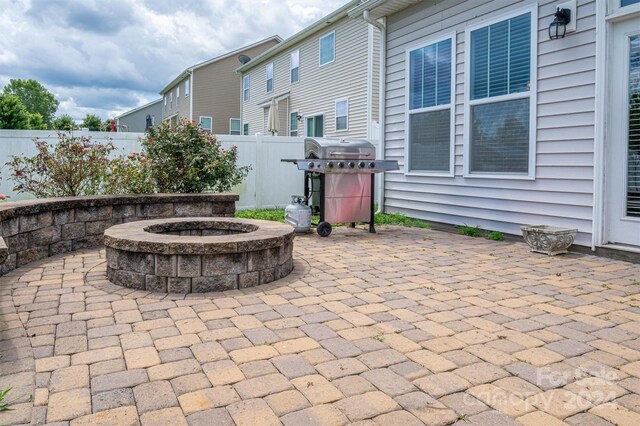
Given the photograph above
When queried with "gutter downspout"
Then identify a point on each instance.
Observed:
(190, 95)
(381, 98)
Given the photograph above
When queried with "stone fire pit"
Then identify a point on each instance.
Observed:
(198, 255)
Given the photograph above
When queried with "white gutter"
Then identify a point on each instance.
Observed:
(381, 98)
(190, 95)
(599, 216)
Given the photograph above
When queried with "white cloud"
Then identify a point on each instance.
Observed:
(105, 57)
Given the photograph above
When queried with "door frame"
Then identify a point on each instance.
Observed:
(606, 22)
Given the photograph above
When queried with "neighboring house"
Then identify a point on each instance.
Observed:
(136, 119)
(325, 80)
(208, 92)
(495, 124)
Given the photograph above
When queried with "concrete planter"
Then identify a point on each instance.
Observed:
(547, 239)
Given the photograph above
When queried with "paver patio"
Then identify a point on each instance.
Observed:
(403, 327)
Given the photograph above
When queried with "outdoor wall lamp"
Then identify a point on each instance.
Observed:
(564, 20)
(558, 28)
(298, 117)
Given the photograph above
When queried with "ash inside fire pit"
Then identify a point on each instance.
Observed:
(198, 255)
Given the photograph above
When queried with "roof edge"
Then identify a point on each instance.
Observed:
(190, 69)
(301, 35)
(137, 108)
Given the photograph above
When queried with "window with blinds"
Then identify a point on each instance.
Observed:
(500, 61)
(633, 154)
(430, 107)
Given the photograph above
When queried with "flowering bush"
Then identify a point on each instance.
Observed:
(187, 158)
(71, 167)
(129, 174)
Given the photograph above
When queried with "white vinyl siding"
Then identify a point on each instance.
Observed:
(328, 48)
(342, 115)
(499, 100)
(245, 88)
(562, 192)
(269, 76)
(295, 66)
(234, 126)
(319, 86)
(429, 112)
(206, 123)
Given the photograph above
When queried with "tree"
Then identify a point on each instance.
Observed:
(35, 97)
(64, 122)
(13, 115)
(36, 122)
(92, 122)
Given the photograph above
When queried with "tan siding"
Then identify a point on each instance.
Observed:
(562, 192)
(319, 87)
(183, 108)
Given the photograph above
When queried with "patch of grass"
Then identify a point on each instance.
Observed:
(400, 219)
(470, 231)
(635, 283)
(4, 403)
(274, 215)
(495, 236)
(277, 215)
(378, 338)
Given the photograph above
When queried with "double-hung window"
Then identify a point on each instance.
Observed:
(270, 77)
(206, 123)
(293, 124)
(500, 97)
(430, 115)
(164, 107)
(170, 101)
(177, 95)
(245, 88)
(342, 115)
(328, 48)
(187, 87)
(234, 126)
(245, 129)
(295, 66)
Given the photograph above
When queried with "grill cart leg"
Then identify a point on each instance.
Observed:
(372, 228)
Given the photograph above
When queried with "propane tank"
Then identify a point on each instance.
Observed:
(298, 214)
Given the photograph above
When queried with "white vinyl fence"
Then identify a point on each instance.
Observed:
(270, 183)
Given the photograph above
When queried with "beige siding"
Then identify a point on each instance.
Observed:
(216, 89)
(562, 192)
(181, 105)
(319, 86)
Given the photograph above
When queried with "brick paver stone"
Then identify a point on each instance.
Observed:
(207, 398)
(165, 417)
(68, 378)
(366, 405)
(286, 402)
(320, 415)
(154, 396)
(122, 416)
(141, 358)
(427, 409)
(293, 366)
(441, 384)
(341, 368)
(317, 389)
(259, 387)
(616, 414)
(252, 412)
(68, 405)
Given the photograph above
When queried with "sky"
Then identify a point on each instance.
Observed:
(106, 57)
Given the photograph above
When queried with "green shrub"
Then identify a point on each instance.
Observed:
(186, 158)
(73, 166)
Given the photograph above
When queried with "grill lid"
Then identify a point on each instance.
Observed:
(334, 148)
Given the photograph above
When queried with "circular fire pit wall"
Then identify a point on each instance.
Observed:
(198, 255)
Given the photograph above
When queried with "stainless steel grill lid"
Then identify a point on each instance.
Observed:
(333, 148)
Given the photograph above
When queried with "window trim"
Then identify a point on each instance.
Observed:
(266, 69)
(320, 48)
(291, 67)
(452, 35)
(335, 111)
(532, 94)
(239, 121)
(245, 90)
(297, 124)
(200, 122)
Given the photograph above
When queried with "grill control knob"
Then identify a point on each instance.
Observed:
(340, 163)
(330, 164)
(361, 164)
(311, 164)
(372, 165)
(351, 164)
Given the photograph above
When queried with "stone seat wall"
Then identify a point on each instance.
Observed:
(35, 229)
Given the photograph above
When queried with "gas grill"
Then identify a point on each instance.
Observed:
(339, 176)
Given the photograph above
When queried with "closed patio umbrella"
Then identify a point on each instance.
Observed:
(272, 119)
